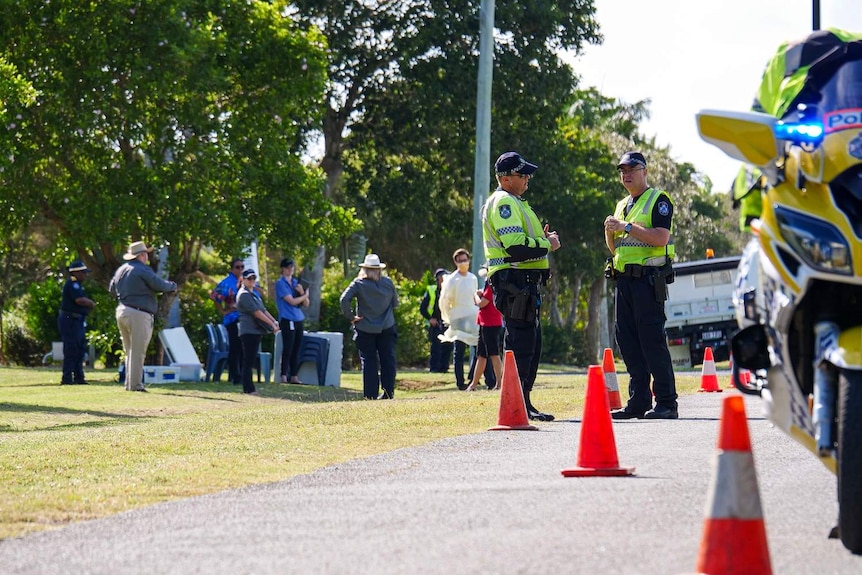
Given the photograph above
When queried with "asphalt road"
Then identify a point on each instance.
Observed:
(494, 502)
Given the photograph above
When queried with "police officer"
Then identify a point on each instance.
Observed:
(748, 187)
(638, 235)
(71, 321)
(429, 307)
(517, 247)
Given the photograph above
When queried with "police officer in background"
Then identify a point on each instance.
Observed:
(71, 321)
(429, 307)
(638, 235)
(517, 247)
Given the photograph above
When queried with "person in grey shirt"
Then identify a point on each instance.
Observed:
(135, 285)
(374, 326)
(254, 322)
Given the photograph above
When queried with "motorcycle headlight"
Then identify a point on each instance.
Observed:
(817, 242)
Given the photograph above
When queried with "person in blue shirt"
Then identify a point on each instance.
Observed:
(224, 296)
(72, 321)
(291, 297)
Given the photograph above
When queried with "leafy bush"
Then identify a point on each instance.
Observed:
(21, 348)
(563, 345)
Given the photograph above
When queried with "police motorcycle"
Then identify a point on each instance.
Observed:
(799, 291)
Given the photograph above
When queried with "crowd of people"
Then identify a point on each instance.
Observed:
(462, 317)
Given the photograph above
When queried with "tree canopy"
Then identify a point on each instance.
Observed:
(179, 122)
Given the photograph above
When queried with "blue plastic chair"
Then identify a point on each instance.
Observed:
(216, 354)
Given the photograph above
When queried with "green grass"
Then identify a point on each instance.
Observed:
(69, 453)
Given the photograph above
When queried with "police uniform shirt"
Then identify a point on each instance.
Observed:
(72, 290)
(662, 211)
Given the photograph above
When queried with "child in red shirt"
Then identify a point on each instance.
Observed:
(490, 322)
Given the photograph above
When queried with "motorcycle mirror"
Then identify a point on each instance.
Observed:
(750, 348)
(744, 136)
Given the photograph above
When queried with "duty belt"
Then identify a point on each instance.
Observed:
(72, 314)
(536, 277)
(637, 271)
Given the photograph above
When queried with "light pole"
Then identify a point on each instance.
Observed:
(481, 177)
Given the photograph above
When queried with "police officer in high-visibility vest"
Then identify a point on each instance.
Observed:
(748, 187)
(429, 307)
(638, 235)
(517, 247)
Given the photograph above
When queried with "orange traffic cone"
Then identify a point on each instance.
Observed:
(709, 379)
(611, 384)
(734, 535)
(597, 452)
(513, 409)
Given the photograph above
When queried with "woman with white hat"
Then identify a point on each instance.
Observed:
(373, 320)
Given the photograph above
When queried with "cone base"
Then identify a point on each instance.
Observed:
(719, 390)
(597, 472)
(615, 400)
(513, 428)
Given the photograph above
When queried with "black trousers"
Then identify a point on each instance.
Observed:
(377, 354)
(250, 344)
(74, 347)
(234, 353)
(639, 329)
(524, 338)
(441, 352)
(291, 344)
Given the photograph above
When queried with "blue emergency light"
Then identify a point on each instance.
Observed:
(810, 132)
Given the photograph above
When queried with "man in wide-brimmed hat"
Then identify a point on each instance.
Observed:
(135, 285)
(374, 326)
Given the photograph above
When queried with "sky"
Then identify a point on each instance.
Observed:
(689, 55)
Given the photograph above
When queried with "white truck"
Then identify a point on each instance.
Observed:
(700, 311)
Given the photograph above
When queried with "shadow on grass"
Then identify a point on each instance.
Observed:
(290, 392)
(107, 418)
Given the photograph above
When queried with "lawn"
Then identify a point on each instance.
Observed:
(69, 453)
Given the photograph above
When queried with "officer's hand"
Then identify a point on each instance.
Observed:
(612, 224)
(552, 237)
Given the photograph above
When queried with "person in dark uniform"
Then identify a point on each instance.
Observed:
(639, 235)
(441, 351)
(517, 247)
(71, 321)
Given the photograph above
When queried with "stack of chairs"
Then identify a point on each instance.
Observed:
(315, 349)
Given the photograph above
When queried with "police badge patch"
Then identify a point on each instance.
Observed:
(505, 211)
(663, 208)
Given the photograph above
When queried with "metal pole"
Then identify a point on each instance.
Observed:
(481, 172)
(815, 14)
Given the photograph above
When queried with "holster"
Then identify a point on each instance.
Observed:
(658, 282)
(518, 302)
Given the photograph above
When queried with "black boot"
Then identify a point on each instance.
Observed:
(534, 413)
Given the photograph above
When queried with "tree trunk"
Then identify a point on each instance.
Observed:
(552, 297)
(333, 166)
(594, 323)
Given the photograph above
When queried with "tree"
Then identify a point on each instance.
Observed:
(178, 122)
(401, 108)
